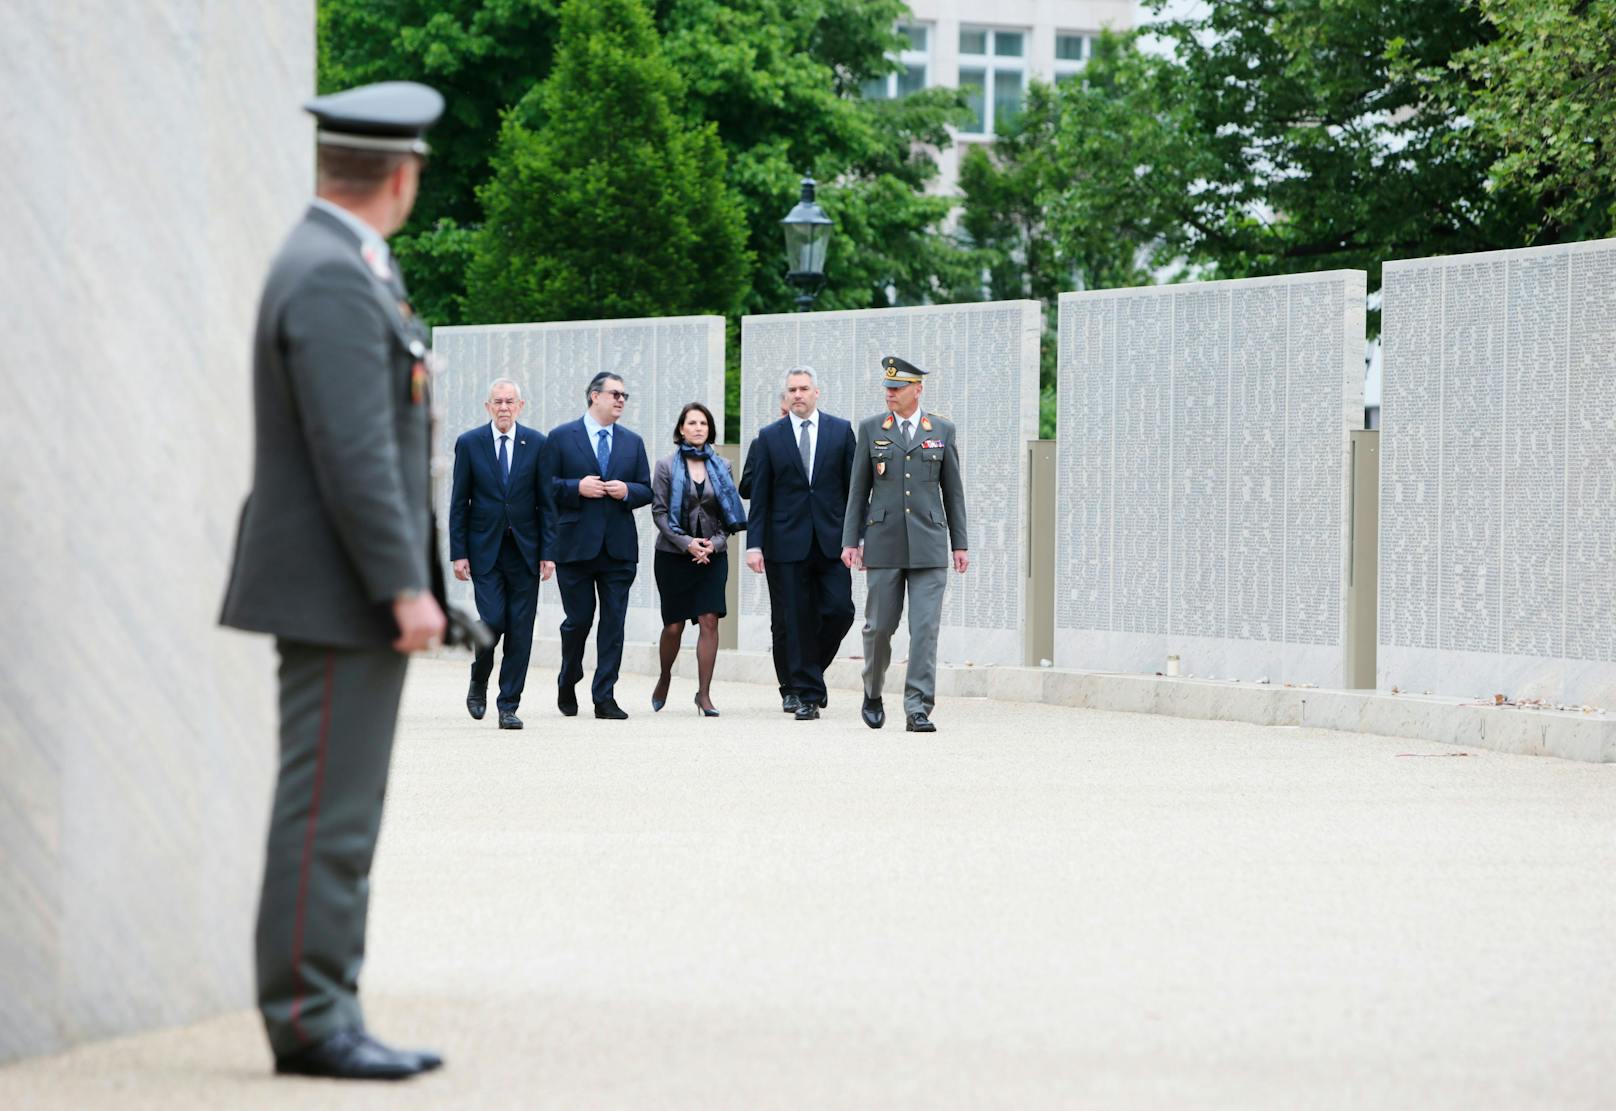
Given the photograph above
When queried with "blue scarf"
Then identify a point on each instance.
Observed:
(729, 502)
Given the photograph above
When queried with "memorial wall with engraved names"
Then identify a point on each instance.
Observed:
(665, 362)
(982, 361)
(1498, 475)
(1203, 476)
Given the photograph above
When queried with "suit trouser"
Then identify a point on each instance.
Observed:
(777, 645)
(338, 707)
(883, 608)
(815, 597)
(580, 583)
(507, 601)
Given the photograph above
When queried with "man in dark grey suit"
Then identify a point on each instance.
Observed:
(332, 558)
(907, 503)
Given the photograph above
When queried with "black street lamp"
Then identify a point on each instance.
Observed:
(807, 237)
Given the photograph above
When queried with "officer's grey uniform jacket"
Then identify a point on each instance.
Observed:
(338, 520)
(907, 499)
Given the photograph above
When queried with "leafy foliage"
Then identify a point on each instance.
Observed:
(612, 205)
(1544, 92)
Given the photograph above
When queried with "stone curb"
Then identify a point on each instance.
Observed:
(1569, 736)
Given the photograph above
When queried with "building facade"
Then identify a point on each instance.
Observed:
(994, 49)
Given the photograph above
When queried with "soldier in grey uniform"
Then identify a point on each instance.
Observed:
(905, 525)
(333, 559)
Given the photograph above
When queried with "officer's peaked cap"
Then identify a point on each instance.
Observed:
(389, 116)
(901, 372)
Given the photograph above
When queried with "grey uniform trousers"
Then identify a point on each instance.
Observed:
(883, 608)
(338, 709)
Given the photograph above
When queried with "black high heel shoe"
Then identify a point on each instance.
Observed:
(658, 703)
(705, 712)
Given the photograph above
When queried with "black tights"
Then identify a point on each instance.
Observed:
(706, 656)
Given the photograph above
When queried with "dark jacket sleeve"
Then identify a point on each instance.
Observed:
(460, 503)
(339, 346)
(953, 487)
(745, 487)
(757, 512)
(540, 491)
(858, 495)
(563, 491)
(547, 484)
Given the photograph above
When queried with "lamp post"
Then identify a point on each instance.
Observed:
(807, 237)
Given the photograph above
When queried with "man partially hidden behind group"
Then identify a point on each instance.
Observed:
(905, 525)
(495, 506)
(333, 559)
(799, 488)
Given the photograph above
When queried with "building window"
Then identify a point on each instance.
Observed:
(1072, 49)
(993, 73)
(915, 58)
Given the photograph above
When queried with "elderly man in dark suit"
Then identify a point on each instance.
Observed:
(794, 531)
(494, 511)
(334, 559)
(594, 475)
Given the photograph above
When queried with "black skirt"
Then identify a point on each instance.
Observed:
(688, 589)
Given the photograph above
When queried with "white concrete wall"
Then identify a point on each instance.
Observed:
(154, 156)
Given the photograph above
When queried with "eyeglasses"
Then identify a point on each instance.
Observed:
(615, 395)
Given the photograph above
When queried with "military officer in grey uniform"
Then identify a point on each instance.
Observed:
(905, 525)
(332, 559)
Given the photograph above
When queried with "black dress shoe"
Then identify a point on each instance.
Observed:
(428, 1059)
(790, 704)
(610, 710)
(477, 701)
(355, 1055)
(873, 713)
(508, 720)
(567, 702)
(919, 723)
(807, 712)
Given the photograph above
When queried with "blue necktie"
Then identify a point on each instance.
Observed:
(603, 452)
(504, 463)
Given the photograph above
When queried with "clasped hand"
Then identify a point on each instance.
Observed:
(701, 550)
(591, 486)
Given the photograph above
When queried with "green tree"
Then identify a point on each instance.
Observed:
(613, 204)
(1544, 93)
(1322, 146)
(484, 56)
(779, 79)
(1076, 192)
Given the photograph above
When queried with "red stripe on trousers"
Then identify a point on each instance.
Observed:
(308, 845)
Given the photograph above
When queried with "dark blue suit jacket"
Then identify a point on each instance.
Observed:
(788, 514)
(481, 509)
(579, 528)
